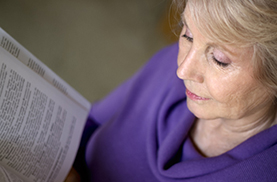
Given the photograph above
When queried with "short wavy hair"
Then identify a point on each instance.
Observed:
(244, 23)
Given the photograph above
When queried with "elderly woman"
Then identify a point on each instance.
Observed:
(216, 122)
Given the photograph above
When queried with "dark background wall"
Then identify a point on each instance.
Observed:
(94, 45)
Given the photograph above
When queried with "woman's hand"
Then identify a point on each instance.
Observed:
(73, 176)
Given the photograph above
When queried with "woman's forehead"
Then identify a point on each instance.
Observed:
(215, 24)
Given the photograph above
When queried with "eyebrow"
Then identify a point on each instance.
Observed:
(184, 19)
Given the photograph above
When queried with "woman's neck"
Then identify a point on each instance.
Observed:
(215, 137)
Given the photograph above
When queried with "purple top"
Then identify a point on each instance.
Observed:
(144, 135)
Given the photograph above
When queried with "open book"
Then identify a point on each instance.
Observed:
(41, 118)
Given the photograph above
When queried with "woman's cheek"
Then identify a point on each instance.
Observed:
(219, 91)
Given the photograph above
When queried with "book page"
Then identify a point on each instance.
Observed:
(40, 127)
(23, 55)
(7, 176)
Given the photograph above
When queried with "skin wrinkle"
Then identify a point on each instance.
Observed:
(238, 106)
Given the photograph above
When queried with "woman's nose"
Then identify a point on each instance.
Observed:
(189, 66)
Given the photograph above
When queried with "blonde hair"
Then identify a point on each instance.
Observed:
(245, 23)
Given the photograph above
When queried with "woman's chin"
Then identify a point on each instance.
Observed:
(201, 112)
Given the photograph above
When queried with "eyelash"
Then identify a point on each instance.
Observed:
(221, 64)
(188, 38)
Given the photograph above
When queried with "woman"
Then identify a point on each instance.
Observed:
(216, 122)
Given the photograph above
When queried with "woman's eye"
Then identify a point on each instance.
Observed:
(190, 39)
(221, 64)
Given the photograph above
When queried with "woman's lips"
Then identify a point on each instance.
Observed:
(192, 96)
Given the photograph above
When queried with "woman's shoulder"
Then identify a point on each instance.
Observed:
(166, 57)
(162, 66)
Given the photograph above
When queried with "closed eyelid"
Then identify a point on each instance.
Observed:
(188, 38)
(188, 32)
(221, 56)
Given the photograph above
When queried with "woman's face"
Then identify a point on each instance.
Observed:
(219, 79)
